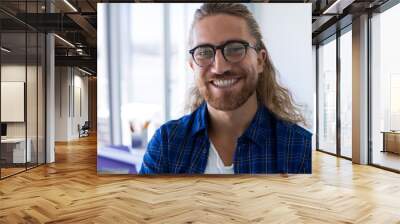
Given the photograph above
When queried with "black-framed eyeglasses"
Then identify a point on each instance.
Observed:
(233, 51)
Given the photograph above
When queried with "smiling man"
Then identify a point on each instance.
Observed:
(242, 120)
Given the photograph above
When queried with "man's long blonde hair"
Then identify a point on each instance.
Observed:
(269, 92)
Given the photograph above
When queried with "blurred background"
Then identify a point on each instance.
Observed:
(143, 75)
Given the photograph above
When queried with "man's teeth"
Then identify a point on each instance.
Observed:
(224, 83)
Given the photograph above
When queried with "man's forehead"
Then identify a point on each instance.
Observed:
(217, 29)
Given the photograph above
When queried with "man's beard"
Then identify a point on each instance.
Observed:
(230, 100)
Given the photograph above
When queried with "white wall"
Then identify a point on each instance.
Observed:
(69, 82)
(286, 29)
(61, 103)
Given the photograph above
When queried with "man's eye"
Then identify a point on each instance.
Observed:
(204, 53)
(235, 49)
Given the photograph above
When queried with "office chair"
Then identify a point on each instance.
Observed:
(84, 130)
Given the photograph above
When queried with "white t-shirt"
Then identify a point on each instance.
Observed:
(215, 165)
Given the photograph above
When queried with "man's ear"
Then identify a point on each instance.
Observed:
(261, 60)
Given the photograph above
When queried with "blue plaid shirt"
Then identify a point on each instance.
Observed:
(268, 145)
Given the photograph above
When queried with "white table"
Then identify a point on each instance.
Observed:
(18, 145)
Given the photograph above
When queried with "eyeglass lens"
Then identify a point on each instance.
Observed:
(233, 52)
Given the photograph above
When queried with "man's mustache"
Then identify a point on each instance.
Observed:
(225, 75)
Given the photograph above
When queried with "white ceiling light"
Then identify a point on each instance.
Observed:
(65, 41)
(86, 72)
(70, 5)
(5, 50)
(337, 7)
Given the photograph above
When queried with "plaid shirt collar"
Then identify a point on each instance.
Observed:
(259, 125)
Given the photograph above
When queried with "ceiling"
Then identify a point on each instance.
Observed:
(77, 25)
(76, 22)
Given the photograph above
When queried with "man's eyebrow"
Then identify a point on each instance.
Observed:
(225, 41)
(203, 44)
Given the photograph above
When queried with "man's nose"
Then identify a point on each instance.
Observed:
(220, 65)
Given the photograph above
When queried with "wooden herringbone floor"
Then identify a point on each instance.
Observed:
(70, 191)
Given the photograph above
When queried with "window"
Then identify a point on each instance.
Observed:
(346, 94)
(385, 87)
(327, 96)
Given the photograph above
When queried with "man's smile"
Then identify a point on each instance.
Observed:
(225, 83)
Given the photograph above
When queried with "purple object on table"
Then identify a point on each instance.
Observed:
(107, 165)
(119, 147)
(113, 159)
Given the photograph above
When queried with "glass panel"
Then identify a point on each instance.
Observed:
(386, 89)
(346, 94)
(41, 98)
(327, 96)
(31, 98)
(22, 68)
(13, 87)
(32, 89)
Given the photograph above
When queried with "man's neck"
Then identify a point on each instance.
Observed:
(232, 123)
